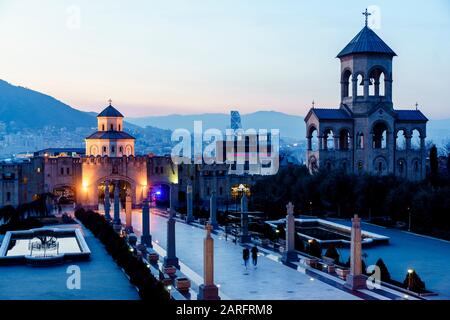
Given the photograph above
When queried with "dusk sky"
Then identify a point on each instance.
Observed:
(174, 56)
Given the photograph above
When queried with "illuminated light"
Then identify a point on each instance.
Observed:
(157, 241)
(310, 241)
(84, 185)
(158, 193)
(312, 279)
(218, 286)
(410, 271)
(169, 288)
(406, 296)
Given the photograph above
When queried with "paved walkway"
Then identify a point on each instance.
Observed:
(271, 280)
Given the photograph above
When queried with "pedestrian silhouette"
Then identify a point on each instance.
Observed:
(245, 256)
(255, 256)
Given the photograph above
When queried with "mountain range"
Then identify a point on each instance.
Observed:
(25, 109)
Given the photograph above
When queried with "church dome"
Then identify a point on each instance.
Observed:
(366, 41)
(110, 111)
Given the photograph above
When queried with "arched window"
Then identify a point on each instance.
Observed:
(382, 86)
(313, 140)
(104, 149)
(328, 139)
(415, 140)
(8, 196)
(401, 167)
(346, 84)
(376, 83)
(120, 127)
(360, 166)
(360, 86)
(416, 166)
(344, 139)
(400, 141)
(103, 127)
(62, 171)
(112, 127)
(379, 136)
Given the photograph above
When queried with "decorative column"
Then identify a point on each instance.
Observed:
(320, 143)
(366, 87)
(354, 88)
(290, 255)
(107, 203)
(146, 238)
(171, 258)
(128, 212)
(117, 223)
(208, 290)
(355, 280)
(213, 210)
(244, 220)
(172, 200)
(189, 200)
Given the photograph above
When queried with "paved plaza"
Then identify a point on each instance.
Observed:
(271, 279)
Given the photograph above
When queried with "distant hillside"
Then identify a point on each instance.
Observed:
(290, 126)
(30, 120)
(24, 108)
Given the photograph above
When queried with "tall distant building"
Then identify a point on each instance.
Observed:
(366, 133)
(235, 120)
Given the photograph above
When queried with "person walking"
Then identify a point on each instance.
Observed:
(255, 256)
(245, 256)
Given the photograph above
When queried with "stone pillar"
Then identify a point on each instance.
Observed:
(171, 259)
(107, 203)
(244, 220)
(117, 223)
(146, 238)
(190, 203)
(309, 143)
(290, 255)
(320, 142)
(366, 87)
(208, 290)
(128, 212)
(213, 210)
(355, 280)
(354, 88)
(244, 203)
(172, 200)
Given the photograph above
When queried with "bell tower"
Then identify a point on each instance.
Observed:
(366, 72)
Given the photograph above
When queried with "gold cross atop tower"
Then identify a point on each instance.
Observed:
(110, 101)
(367, 14)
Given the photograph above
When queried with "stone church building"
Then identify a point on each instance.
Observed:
(366, 133)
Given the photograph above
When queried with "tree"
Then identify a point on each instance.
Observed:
(384, 273)
(413, 282)
(314, 249)
(332, 253)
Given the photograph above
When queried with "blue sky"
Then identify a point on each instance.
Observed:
(174, 56)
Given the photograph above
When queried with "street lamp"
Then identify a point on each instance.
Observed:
(410, 273)
(310, 207)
